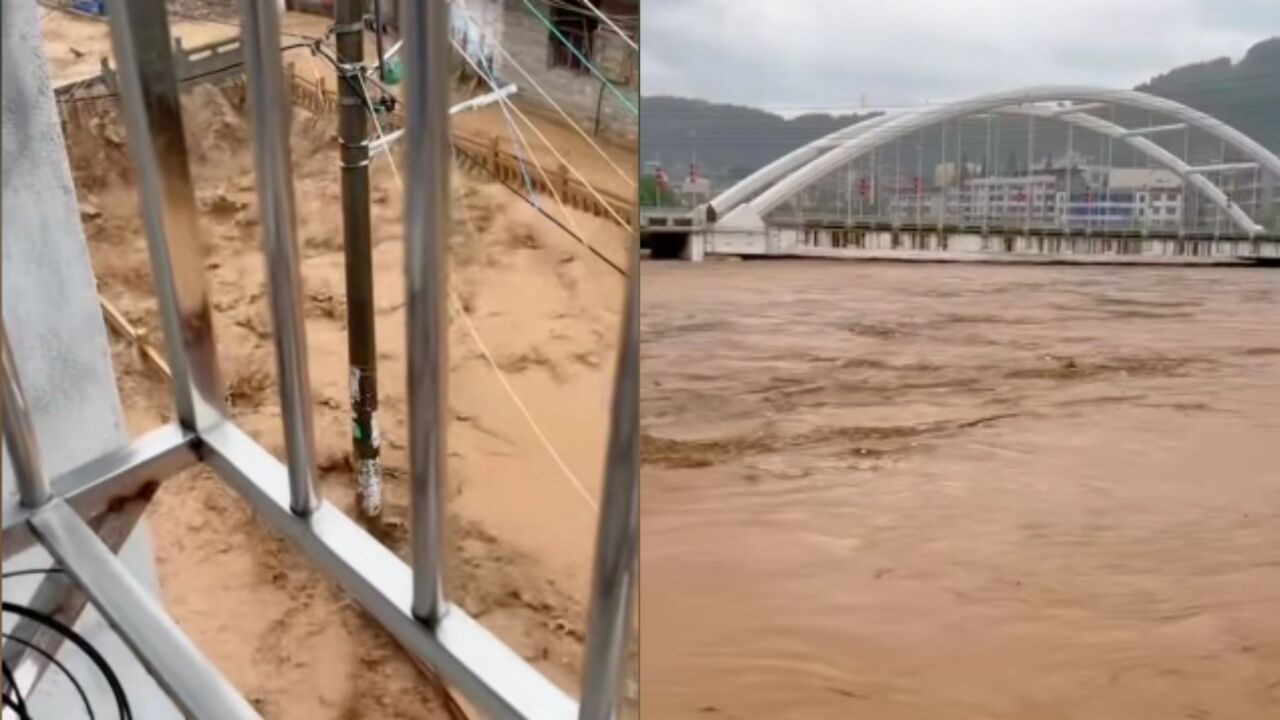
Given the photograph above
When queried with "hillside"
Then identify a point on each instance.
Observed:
(729, 140)
(1245, 95)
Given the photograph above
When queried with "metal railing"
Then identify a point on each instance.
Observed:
(410, 602)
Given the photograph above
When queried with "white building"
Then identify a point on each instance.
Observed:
(1031, 199)
(1125, 199)
(1081, 197)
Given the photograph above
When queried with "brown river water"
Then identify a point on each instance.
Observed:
(931, 491)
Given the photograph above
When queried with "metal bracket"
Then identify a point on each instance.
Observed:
(342, 29)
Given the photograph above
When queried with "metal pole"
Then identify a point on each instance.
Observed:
(148, 84)
(270, 115)
(894, 204)
(848, 198)
(614, 574)
(1111, 159)
(919, 185)
(1186, 157)
(19, 435)
(1031, 139)
(1071, 137)
(962, 171)
(426, 52)
(867, 178)
(1257, 187)
(942, 214)
(995, 160)
(873, 189)
(362, 344)
(986, 174)
(1217, 213)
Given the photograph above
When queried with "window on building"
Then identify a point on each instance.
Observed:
(573, 41)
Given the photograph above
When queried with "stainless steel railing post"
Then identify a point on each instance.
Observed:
(19, 434)
(149, 99)
(426, 54)
(260, 42)
(613, 577)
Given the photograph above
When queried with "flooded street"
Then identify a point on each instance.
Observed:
(929, 491)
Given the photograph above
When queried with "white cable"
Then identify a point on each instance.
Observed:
(488, 356)
(533, 157)
(381, 138)
(465, 106)
(625, 177)
(502, 378)
(609, 22)
(550, 146)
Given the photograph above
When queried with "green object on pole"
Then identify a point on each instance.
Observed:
(392, 71)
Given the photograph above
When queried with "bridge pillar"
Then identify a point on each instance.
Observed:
(695, 248)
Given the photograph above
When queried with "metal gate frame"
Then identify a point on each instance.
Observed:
(410, 602)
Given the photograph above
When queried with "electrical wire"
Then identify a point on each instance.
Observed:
(16, 703)
(511, 131)
(519, 139)
(317, 48)
(570, 121)
(117, 690)
(626, 38)
(84, 697)
(605, 258)
(493, 363)
(373, 115)
(595, 71)
(550, 146)
(33, 571)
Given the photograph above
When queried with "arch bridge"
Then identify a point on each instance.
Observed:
(1058, 170)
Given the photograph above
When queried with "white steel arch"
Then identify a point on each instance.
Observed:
(1176, 164)
(789, 175)
(760, 180)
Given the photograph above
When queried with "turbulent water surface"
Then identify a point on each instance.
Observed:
(960, 491)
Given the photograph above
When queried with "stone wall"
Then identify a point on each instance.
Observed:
(582, 95)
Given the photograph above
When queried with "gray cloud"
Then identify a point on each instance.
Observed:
(831, 53)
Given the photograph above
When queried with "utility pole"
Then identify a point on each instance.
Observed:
(362, 346)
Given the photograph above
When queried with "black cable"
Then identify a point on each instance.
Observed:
(544, 213)
(117, 690)
(9, 703)
(84, 697)
(34, 571)
(19, 705)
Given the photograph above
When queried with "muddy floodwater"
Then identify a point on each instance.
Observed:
(926, 491)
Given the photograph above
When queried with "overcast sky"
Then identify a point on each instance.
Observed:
(794, 55)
